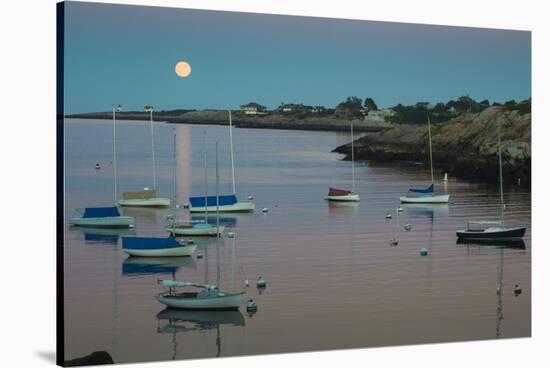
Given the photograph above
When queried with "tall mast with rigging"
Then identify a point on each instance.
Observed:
(231, 148)
(431, 157)
(352, 160)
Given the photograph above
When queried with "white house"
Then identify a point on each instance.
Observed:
(379, 116)
(253, 108)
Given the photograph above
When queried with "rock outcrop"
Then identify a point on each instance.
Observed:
(465, 147)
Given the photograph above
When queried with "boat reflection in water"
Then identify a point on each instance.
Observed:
(103, 235)
(336, 209)
(142, 266)
(492, 243)
(426, 210)
(151, 214)
(501, 246)
(181, 321)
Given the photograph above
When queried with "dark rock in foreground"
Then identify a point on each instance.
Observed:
(95, 358)
(465, 147)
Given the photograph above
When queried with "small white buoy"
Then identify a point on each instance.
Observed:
(517, 290)
(246, 283)
(199, 255)
(394, 242)
(261, 282)
(231, 234)
(250, 197)
(408, 227)
(423, 252)
(186, 205)
(97, 166)
(399, 209)
(388, 216)
(445, 178)
(264, 210)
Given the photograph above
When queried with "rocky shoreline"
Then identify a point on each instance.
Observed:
(465, 147)
(268, 121)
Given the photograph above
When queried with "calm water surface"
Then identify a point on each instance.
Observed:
(333, 279)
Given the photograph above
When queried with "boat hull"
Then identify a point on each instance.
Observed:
(104, 222)
(145, 202)
(344, 198)
(183, 251)
(510, 234)
(237, 207)
(228, 302)
(191, 231)
(427, 199)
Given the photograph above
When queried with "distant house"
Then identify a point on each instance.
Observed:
(452, 110)
(379, 116)
(317, 109)
(426, 105)
(253, 108)
(291, 107)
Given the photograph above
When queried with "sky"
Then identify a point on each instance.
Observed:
(120, 54)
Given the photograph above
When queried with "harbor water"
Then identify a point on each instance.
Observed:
(334, 280)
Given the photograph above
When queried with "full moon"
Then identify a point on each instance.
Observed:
(183, 69)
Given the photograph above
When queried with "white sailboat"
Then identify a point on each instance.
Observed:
(146, 197)
(426, 195)
(106, 217)
(158, 246)
(225, 203)
(344, 195)
(210, 297)
(197, 228)
(494, 229)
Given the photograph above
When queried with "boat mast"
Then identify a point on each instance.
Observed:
(153, 148)
(115, 108)
(217, 219)
(205, 181)
(175, 194)
(352, 160)
(500, 174)
(431, 158)
(231, 146)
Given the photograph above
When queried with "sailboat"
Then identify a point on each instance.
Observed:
(344, 195)
(495, 229)
(224, 203)
(197, 228)
(105, 216)
(155, 246)
(209, 297)
(146, 197)
(426, 195)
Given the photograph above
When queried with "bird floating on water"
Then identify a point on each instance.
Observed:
(394, 242)
(388, 216)
(517, 290)
(264, 210)
(97, 166)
